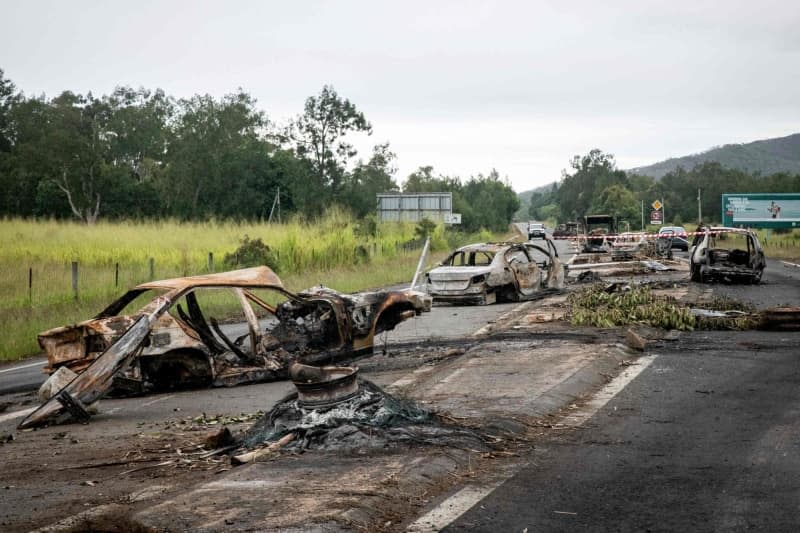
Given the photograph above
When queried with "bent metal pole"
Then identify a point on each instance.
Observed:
(422, 260)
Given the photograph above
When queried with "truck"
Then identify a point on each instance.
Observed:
(599, 231)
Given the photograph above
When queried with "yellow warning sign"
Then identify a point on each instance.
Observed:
(656, 205)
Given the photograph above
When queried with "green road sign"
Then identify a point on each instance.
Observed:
(761, 210)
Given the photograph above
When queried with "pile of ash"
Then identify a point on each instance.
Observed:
(371, 419)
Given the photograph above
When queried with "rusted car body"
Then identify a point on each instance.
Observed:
(726, 254)
(164, 346)
(599, 233)
(483, 273)
(633, 245)
(567, 229)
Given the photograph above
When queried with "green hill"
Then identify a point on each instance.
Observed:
(525, 201)
(765, 157)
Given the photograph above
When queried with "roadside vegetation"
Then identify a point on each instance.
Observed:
(336, 251)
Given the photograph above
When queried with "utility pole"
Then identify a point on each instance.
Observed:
(642, 215)
(699, 207)
(276, 203)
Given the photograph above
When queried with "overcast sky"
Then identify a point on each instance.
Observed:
(463, 86)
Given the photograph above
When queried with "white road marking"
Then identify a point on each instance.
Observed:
(463, 500)
(160, 399)
(450, 509)
(17, 414)
(411, 378)
(609, 391)
(20, 367)
(502, 318)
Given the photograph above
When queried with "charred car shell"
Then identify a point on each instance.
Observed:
(163, 346)
(483, 273)
(726, 254)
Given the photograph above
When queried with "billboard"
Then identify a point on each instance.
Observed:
(413, 207)
(761, 210)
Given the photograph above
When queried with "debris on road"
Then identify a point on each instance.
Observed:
(619, 305)
(780, 318)
(370, 419)
(635, 341)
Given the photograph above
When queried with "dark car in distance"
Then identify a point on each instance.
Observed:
(678, 235)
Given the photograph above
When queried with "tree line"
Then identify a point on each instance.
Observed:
(140, 154)
(596, 185)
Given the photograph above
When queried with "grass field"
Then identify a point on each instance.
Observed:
(329, 251)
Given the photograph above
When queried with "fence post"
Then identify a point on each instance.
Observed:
(211, 261)
(116, 275)
(152, 268)
(30, 285)
(75, 278)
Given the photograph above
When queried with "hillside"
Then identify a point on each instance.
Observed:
(768, 156)
(525, 200)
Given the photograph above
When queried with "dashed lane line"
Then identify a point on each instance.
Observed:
(463, 500)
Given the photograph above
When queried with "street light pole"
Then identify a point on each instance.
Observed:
(699, 207)
(642, 215)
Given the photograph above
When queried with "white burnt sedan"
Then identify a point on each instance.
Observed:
(487, 272)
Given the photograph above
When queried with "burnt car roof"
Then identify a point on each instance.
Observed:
(724, 228)
(489, 246)
(260, 276)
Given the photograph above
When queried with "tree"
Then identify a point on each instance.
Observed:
(594, 172)
(318, 135)
(76, 150)
(617, 201)
(139, 131)
(217, 158)
(8, 97)
(492, 200)
(370, 178)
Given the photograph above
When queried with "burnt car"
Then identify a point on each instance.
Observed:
(726, 254)
(487, 272)
(160, 335)
(631, 245)
(567, 229)
(600, 231)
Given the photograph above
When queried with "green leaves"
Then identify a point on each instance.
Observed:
(598, 307)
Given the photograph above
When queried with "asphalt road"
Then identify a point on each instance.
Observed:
(704, 439)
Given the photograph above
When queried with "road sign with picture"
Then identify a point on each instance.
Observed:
(656, 217)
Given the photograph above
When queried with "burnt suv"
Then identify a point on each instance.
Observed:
(726, 254)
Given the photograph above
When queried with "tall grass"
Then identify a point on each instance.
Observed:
(329, 251)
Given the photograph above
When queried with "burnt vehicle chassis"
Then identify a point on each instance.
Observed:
(709, 261)
(516, 272)
(599, 232)
(152, 349)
